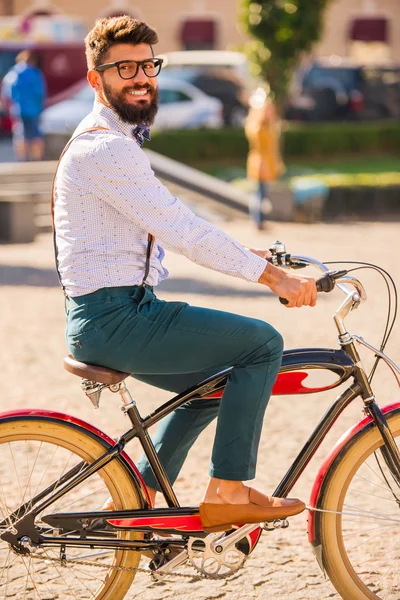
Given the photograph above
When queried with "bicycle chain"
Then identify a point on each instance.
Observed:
(85, 563)
(193, 577)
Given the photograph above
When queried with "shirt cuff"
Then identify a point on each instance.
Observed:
(254, 267)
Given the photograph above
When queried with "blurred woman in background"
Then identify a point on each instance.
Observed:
(264, 161)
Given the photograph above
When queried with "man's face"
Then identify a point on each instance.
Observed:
(134, 100)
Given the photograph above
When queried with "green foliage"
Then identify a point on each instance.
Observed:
(193, 146)
(333, 139)
(337, 180)
(281, 31)
(301, 141)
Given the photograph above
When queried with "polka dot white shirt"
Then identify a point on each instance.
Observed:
(107, 200)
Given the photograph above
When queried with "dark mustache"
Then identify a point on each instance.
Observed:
(138, 88)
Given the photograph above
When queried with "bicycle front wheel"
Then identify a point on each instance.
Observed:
(36, 453)
(361, 546)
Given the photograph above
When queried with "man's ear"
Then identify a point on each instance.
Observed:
(94, 80)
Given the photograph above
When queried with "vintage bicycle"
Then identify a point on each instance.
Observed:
(56, 471)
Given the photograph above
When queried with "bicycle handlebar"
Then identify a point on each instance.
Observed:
(327, 282)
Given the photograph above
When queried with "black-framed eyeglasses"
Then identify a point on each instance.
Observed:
(128, 69)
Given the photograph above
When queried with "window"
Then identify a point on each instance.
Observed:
(369, 30)
(198, 34)
(369, 40)
(168, 96)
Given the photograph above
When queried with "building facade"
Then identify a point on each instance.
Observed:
(358, 28)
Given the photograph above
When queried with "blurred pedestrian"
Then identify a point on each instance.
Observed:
(24, 88)
(264, 162)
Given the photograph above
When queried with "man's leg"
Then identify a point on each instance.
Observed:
(19, 142)
(183, 337)
(37, 149)
(34, 138)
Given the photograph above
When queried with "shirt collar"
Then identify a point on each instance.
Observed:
(113, 121)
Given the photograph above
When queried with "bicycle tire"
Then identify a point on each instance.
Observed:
(361, 547)
(40, 437)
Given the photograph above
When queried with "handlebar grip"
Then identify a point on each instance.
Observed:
(325, 283)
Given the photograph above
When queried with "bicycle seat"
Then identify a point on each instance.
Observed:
(93, 372)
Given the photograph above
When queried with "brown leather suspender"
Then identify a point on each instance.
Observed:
(150, 238)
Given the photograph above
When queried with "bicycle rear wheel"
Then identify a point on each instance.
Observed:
(361, 547)
(34, 453)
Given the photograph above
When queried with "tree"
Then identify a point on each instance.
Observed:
(281, 31)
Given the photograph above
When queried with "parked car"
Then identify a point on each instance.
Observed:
(344, 90)
(62, 64)
(181, 106)
(221, 74)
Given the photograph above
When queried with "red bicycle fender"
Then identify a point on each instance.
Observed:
(62, 417)
(319, 480)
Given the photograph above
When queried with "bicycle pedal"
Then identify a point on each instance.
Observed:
(276, 524)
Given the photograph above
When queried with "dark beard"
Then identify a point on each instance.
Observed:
(129, 113)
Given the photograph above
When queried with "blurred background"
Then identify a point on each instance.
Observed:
(331, 68)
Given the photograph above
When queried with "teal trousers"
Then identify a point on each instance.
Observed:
(173, 346)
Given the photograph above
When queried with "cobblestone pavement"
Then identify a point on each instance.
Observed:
(32, 348)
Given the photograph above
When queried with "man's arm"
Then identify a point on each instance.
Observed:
(299, 291)
(121, 175)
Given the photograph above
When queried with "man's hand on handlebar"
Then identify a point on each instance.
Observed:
(297, 290)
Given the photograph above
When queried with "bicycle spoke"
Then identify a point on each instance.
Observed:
(374, 495)
(64, 506)
(382, 487)
(365, 512)
(57, 504)
(44, 473)
(373, 537)
(389, 569)
(34, 583)
(71, 572)
(362, 531)
(15, 469)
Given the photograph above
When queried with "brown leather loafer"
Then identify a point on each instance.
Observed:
(221, 517)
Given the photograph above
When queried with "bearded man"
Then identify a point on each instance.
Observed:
(112, 217)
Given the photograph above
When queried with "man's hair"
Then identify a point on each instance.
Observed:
(116, 30)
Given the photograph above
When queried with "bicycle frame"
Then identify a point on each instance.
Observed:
(185, 521)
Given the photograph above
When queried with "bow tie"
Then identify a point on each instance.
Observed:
(140, 133)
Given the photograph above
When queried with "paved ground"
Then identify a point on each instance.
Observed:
(32, 324)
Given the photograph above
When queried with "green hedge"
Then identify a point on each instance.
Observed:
(363, 202)
(192, 146)
(330, 139)
(299, 141)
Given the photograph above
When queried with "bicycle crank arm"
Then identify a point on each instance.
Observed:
(223, 541)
